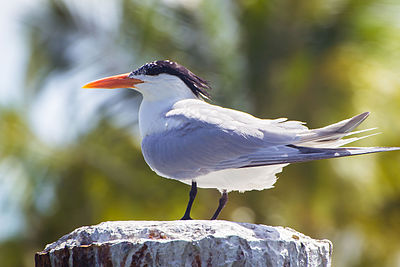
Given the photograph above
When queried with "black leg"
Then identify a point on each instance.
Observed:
(222, 203)
(192, 196)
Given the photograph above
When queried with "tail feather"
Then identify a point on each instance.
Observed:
(361, 131)
(336, 142)
(345, 126)
(331, 135)
(322, 143)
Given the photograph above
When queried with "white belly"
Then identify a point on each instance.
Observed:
(243, 179)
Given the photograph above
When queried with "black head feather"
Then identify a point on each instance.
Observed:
(198, 85)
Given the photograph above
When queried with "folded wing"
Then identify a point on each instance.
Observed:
(210, 138)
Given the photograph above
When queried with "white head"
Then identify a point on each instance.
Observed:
(158, 80)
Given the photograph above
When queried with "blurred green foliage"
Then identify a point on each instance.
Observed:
(315, 61)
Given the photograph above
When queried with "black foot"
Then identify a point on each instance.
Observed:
(222, 203)
(192, 196)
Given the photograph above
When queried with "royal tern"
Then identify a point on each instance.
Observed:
(208, 146)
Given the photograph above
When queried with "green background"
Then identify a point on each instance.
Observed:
(68, 161)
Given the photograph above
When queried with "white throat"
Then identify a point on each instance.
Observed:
(159, 95)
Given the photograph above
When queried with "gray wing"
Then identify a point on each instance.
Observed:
(195, 149)
(204, 137)
(209, 138)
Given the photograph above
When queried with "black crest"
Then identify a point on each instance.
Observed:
(198, 85)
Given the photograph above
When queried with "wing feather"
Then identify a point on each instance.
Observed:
(208, 138)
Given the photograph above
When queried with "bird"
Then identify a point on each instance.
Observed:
(186, 138)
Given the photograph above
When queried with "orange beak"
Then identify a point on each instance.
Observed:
(112, 82)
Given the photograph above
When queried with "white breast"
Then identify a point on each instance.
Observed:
(152, 117)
